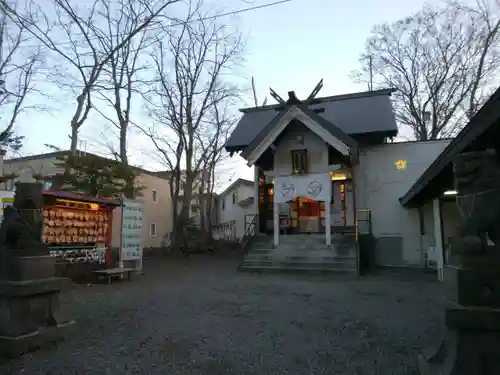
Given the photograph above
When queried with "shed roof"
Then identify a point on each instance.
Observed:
(357, 113)
(82, 197)
(481, 132)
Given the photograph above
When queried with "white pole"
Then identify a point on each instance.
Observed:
(256, 197)
(328, 224)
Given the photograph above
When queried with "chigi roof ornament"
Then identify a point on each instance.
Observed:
(292, 97)
(315, 92)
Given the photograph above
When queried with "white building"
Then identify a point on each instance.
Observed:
(235, 208)
(325, 166)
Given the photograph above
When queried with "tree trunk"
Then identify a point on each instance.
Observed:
(202, 203)
(208, 214)
(176, 242)
(74, 137)
(123, 143)
(177, 237)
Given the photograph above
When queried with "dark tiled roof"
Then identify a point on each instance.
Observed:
(357, 113)
(327, 125)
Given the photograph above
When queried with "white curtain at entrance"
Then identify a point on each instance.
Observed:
(315, 186)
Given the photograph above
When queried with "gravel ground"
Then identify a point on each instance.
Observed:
(203, 317)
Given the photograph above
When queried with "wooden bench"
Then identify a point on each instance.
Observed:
(113, 273)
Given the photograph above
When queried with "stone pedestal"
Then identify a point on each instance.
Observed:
(472, 342)
(30, 311)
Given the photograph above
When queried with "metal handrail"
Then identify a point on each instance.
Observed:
(250, 225)
(250, 230)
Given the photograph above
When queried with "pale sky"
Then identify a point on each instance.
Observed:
(289, 47)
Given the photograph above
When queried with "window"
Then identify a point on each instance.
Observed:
(223, 203)
(10, 185)
(235, 198)
(299, 162)
(154, 196)
(152, 230)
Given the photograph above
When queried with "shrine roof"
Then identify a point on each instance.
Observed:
(357, 113)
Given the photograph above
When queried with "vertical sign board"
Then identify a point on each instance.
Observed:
(132, 231)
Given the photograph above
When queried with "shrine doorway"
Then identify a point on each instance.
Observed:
(306, 215)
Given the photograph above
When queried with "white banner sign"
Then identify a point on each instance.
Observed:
(132, 230)
(316, 186)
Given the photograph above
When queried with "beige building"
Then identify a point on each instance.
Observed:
(155, 195)
(196, 204)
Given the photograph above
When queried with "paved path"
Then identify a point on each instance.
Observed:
(204, 318)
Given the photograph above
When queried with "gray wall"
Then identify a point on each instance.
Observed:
(317, 151)
(379, 185)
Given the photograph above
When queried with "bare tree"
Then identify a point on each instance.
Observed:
(211, 151)
(121, 80)
(76, 35)
(441, 61)
(191, 62)
(19, 62)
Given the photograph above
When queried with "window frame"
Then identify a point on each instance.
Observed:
(151, 226)
(299, 156)
(154, 196)
(235, 197)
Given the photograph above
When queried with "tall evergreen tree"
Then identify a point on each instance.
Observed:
(96, 176)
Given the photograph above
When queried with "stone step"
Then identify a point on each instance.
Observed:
(316, 271)
(292, 238)
(301, 264)
(351, 252)
(306, 244)
(339, 258)
(302, 253)
(286, 241)
(260, 250)
(305, 257)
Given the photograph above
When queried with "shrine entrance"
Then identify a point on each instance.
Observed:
(306, 215)
(299, 205)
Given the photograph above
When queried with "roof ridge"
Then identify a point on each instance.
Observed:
(325, 99)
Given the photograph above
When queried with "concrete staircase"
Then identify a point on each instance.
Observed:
(302, 253)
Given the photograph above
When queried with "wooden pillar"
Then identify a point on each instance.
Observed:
(276, 222)
(438, 237)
